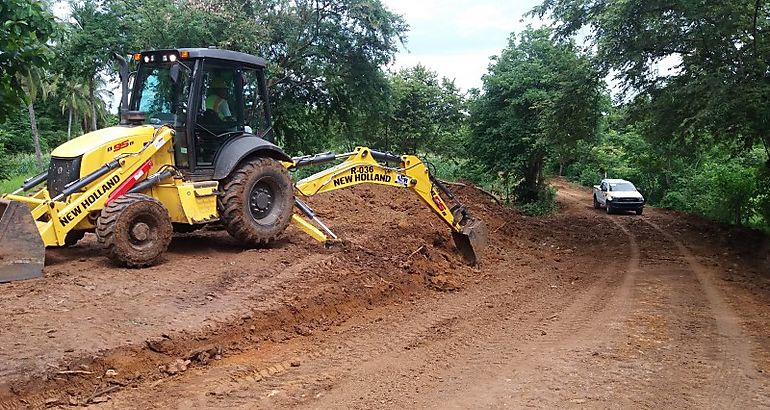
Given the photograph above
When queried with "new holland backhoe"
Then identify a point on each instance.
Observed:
(194, 146)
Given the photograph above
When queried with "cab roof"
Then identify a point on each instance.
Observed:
(615, 181)
(218, 53)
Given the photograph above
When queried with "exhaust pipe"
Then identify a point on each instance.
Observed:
(22, 251)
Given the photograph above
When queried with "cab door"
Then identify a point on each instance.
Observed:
(219, 111)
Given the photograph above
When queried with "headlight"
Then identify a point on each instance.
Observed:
(609, 198)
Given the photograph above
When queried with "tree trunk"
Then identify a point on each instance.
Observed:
(93, 104)
(69, 124)
(35, 136)
(533, 180)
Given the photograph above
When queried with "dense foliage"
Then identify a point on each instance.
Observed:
(25, 30)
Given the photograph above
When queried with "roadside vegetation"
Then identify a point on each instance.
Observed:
(687, 119)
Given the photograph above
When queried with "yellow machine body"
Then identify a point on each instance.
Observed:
(135, 153)
(133, 147)
(365, 166)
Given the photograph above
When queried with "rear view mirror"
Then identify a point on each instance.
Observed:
(174, 73)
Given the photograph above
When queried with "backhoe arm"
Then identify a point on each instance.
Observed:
(364, 165)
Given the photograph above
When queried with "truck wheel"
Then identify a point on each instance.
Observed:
(639, 211)
(596, 203)
(257, 201)
(609, 208)
(135, 230)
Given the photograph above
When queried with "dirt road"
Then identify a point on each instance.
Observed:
(580, 309)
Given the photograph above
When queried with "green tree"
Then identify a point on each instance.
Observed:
(35, 87)
(719, 82)
(424, 113)
(538, 94)
(25, 28)
(74, 100)
(94, 33)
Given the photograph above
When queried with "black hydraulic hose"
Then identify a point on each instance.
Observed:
(151, 181)
(385, 156)
(441, 186)
(315, 159)
(34, 181)
(75, 186)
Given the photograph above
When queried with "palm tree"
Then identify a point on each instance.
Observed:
(97, 108)
(33, 86)
(74, 100)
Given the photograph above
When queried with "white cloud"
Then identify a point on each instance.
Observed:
(457, 37)
(465, 69)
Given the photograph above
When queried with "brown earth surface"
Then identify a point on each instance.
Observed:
(579, 309)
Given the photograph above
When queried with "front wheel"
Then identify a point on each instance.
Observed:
(596, 203)
(639, 211)
(257, 201)
(135, 230)
(609, 208)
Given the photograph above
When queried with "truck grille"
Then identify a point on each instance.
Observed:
(628, 199)
(61, 172)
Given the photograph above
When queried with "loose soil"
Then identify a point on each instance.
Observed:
(580, 309)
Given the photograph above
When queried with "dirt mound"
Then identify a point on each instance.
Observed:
(209, 297)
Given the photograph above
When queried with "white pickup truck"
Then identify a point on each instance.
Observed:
(618, 195)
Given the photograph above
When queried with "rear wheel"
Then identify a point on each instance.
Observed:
(135, 230)
(257, 201)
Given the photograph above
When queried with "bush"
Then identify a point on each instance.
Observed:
(5, 168)
(544, 206)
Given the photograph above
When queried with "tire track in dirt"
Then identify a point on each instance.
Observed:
(436, 339)
(736, 383)
(583, 326)
(440, 327)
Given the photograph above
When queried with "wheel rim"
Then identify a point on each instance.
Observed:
(262, 199)
(143, 232)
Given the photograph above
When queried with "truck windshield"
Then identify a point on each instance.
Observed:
(162, 100)
(622, 186)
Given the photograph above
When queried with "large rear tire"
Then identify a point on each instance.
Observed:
(257, 201)
(135, 230)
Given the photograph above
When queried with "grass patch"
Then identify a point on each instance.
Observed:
(12, 184)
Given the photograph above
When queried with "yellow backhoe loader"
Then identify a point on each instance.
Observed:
(194, 146)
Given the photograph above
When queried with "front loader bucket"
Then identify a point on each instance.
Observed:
(22, 252)
(472, 240)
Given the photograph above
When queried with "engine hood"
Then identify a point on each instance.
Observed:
(625, 194)
(105, 140)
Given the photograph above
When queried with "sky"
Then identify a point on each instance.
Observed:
(455, 37)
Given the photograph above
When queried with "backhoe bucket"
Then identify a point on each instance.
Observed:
(472, 240)
(22, 252)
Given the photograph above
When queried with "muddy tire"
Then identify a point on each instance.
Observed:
(608, 208)
(639, 211)
(257, 201)
(134, 230)
(596, 203)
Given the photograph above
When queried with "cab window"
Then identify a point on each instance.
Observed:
(220, 113)
(254, 107)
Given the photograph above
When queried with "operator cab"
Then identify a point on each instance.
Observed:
(210, 96)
